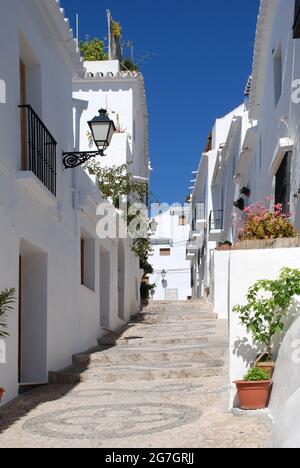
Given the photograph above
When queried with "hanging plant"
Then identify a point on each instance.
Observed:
(240, 204)
(245, 191)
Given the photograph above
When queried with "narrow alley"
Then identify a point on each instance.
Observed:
(162, 382)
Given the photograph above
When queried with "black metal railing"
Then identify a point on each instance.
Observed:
(38, 148)
(216, 220)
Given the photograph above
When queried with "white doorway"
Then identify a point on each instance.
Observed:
(104, 288)
(32, 315)
(121, 280)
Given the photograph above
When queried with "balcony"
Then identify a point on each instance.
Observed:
(199, 219)
(38, 149)
(216, 224)
(191, 250)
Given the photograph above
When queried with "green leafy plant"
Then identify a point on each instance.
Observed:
(7, 300)
(146, 290)
(128, 65)
(257, 375)
(93, 50)
(117, 181)
(268, 303)
(262, 223)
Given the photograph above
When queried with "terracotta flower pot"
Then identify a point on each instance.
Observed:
(2, 391)
(268, 366)
(254, 395)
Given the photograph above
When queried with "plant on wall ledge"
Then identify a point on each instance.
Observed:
(92, 50)
(262, 223)
(7, 300)
(128, 65)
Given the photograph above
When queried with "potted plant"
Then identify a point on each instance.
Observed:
(266, 310)
(240, 204)
(7, 299)
(226, 245)
(245, 191)
(254, 391)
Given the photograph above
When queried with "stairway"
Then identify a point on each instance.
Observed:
(168, 341)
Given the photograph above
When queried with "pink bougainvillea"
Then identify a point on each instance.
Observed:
(263, 223)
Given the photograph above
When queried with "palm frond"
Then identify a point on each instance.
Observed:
(7, 301)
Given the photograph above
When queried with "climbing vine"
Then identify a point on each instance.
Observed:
(116, 183)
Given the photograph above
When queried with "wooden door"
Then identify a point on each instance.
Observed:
(20, 322)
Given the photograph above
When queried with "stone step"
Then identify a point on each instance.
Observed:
(140, 341)
(178, 316)
(149, 372)
(149, 355)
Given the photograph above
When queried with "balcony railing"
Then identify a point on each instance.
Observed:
(216, 220)
(38, 148)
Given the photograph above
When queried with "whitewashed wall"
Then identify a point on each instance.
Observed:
(122, 94)
(245, 267)
(46, 230)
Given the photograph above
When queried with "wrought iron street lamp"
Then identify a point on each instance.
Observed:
(102, 128)
(163, 274)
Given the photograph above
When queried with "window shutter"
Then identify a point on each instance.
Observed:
(296, 26)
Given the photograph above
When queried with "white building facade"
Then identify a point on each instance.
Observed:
(171, 277)
(258, 161)
(70, 285)
(122, 94)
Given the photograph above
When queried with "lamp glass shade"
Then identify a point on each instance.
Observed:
(102, 128)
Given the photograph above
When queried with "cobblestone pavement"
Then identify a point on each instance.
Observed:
(161, 383)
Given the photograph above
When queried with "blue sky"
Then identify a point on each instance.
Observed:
(202, 56)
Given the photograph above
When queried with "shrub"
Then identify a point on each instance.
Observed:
(262, 223)
(257, 375)
(145, 290)
(128, 65)
(92, 50)
(268, 302)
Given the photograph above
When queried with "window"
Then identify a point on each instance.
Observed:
(283, 183)
(165, 252)
(278, 74)
(87, 262)
(182, 220)
(296, 25)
